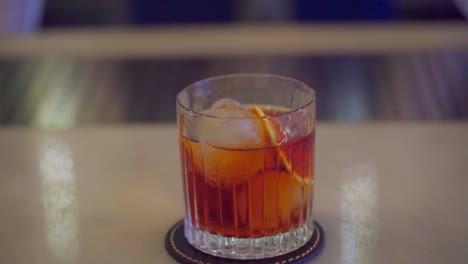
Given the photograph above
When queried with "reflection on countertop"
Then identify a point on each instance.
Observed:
(359, 223)
(59, 199)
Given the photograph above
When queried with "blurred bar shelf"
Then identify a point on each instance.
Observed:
(361, 72)
(238, 40)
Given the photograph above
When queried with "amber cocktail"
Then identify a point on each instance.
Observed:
(247, 152)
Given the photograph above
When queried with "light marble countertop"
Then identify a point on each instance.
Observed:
(385, 193)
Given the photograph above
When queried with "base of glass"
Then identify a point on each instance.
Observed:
(248, 248)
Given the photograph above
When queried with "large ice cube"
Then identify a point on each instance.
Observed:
(232, 126)
(227, 129)
(228, 108)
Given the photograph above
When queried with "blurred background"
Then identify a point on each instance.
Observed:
(79, 63)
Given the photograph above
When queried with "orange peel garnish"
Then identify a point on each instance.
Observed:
(271, 135)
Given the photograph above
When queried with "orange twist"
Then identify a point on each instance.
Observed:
(271, 135)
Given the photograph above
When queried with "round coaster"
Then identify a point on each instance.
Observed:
(178, 247)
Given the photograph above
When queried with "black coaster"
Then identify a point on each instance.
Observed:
(178, 247)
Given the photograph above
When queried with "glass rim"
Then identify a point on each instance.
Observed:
(263, 75)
